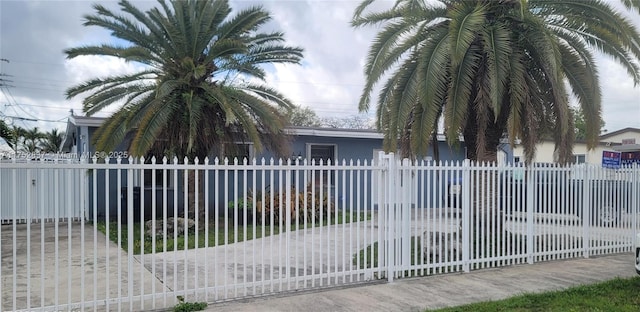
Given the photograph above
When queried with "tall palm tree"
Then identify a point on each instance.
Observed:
(200, 85)
(52, 141)
(492, 67)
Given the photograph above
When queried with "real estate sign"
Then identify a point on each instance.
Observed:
(611, 159)
(630, 158)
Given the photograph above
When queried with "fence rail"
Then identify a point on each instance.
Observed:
(134, 234)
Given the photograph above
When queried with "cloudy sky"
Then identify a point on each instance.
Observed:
(35, 73)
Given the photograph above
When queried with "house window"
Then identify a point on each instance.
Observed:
(579, 159)
(516, 159)
(239, 150)
(324, 152)
(327, 153)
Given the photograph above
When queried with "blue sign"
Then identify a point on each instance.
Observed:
(611, 159)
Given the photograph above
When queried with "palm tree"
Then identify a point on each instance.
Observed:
(492, 67)
(13, 136)
(5, 131)
(32, 139)
(200, 85)
(52, 141)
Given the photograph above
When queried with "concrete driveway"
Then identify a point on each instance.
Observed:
(48, 273)
(225, 269)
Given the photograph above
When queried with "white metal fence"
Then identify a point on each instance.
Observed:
(20, 193)
(266, 227)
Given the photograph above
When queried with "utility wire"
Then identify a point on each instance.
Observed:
(15, 103)
(44, 106)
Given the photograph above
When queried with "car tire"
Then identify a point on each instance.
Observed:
(638, 260)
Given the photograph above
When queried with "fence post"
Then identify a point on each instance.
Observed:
(130, 224)
(634, 204)
(405, 182)
(389, 185)
(466, 215)
(287, 225)
(530, 186)
(586, 212)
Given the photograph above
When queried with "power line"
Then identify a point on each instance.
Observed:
(29, 114)
(48, 83)
(43, 106)
(61, 120)
(34, 63)
(42, 79)
(4, 81)
(19, 118)
(36, 88)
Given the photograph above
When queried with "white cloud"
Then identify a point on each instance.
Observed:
(315, 87)
(33, 35)
(83, 68)
(620, 99)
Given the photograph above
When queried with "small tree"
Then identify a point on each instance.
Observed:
(349, 122)
(580, 124)
(302, 116)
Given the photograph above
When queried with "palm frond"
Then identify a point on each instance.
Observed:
(466, 21)
(497, 44)
(460, 90)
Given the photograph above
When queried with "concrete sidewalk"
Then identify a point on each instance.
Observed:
(418, 294)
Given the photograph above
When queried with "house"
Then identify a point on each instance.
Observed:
(307, 143)
(327, 144)
(624, 140)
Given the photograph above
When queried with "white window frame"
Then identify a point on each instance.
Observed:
(335, 151)
(251, 155)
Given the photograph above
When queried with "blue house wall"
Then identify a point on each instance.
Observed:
(349, 145)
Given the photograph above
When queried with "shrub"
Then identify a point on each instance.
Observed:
(315, 208)
(184, 306)
(245, 210)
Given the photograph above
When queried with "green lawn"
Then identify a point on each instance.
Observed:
(216, 236)
(614, 295)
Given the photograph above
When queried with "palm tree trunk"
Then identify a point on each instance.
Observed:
(435, 146)
(192, 208)
(484, 204)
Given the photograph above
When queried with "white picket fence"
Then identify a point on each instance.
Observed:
(263, 227)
